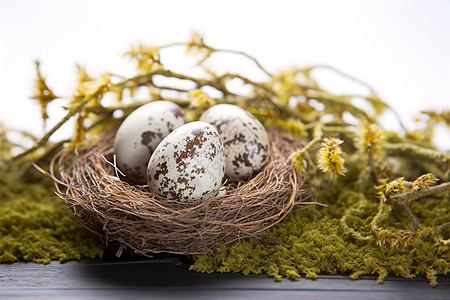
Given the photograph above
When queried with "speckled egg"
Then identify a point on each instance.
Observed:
(189, 164)
(245, 140)
(140, 133)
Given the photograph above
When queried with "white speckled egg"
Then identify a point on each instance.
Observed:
(141, 132)
(245, 140)
(189, 164)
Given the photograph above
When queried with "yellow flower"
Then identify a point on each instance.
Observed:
(369, 137)
(424, 182)
(146, 57)
(196, 42)
(294, 126)
(396, 186)
(329, 157)
(300, 161)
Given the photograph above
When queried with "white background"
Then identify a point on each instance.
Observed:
(401, 48)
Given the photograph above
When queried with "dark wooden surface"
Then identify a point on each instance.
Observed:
(168, 278)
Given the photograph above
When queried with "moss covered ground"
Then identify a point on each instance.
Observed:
(316, 241)
(35, 226)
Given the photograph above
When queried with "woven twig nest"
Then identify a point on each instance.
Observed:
(134, 217)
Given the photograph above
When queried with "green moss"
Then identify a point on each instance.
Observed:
(34, 226)
(312, 243)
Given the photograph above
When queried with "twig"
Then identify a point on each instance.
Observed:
(414, 195)
(410, 214)
(47, 136)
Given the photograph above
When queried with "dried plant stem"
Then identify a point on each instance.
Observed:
(414, 195)
(42, 141)
(362, 83)
(342, 101)
(410, 214)
(212, 50)
(416, 151)
(344, 222)
(146, 78)
(345, 75)
(317, 136)
(257, 63)
(339, 129)
(262, 90)
(124, 107)
(381, 214)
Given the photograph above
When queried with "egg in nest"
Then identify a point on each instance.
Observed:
(141, 132)
(189, 164)
(245, 140)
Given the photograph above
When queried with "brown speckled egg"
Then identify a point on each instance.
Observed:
(245, 140)
(189, 164)
(141, 132)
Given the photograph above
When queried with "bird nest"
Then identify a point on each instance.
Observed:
(132, 216)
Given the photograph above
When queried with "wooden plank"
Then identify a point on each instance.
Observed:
(169, 278)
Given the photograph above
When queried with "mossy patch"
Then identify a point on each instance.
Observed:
(307, 243)
(34, 226)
